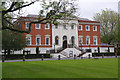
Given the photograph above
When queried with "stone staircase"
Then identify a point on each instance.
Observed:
(65, 52)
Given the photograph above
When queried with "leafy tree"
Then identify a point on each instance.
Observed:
(13, 40)
(51, 10)
(109, 25)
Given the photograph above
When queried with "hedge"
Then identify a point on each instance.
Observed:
(28, 56)
(105, 54)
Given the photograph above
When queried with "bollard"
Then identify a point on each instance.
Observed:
(42, 57)
(81, 57)
(74, 56)
(58, 57)
(88, 56)
(3, 59)
(102, 55)
(23, 57)
(115, 55)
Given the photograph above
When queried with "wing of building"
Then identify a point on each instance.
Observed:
(79, 32)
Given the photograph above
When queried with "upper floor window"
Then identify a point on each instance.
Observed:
(56, 26)
(72, 26)
(37, 26)
(94, 28)
(64, 26)
(47, 26)
(80, 28)
(87, 28)
(27, 25)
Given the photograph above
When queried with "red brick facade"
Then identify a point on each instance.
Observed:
(42, 32)
(90, 33)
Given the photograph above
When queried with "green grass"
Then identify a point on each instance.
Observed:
(86, 68)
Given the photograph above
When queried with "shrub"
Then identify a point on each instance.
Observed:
(108, 50)
(37, 50)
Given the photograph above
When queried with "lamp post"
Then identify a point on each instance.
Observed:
(54, 47)
(81, 45)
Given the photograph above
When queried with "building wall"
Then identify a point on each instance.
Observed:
(90, 33)
(60, 32)
(42, 32)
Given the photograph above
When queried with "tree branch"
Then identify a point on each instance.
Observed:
(22, 6)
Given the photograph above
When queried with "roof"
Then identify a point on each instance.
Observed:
(84, 19)
(32, 15)
(73, 16)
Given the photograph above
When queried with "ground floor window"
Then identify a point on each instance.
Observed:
(56, 40)
(80, 40)
(38, 41)
(47, 40)
(87, 40)
(95, 40)
(28, 40)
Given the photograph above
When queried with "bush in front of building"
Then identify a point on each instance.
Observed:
(28, 56)
(37, 50)
(105, 54)
(108, 50)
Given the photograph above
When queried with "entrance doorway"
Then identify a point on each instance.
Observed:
(64, 42)
(72, 40)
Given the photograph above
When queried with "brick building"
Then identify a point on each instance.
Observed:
(79, 32)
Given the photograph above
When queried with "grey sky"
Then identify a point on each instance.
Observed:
(86, 8)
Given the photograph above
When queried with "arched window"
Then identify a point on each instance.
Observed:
(64, 37)
(56, 40)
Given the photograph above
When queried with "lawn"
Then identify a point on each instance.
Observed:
(86, 68)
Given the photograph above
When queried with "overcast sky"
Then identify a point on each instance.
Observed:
(86, 8)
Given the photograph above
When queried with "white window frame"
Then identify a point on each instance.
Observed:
(95, 28)
(39, 26)
(30, 40)
(49, 40)
(81, 37)
(36, 40)
(26, 25)
(81, 28)
(88, 28)
(48, 26)
(95, 37)
(88, 40)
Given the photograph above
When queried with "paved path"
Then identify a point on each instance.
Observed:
(53, 59)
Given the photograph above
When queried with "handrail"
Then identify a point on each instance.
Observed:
(64, 53)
